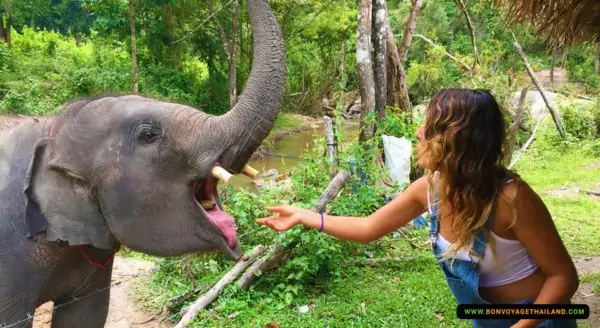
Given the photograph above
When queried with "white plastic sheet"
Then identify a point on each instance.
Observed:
(397, 158)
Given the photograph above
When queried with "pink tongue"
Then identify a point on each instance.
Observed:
(225, 223)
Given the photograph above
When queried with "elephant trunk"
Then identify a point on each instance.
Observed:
(249, 122)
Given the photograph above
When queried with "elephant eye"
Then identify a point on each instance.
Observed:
(148, 135)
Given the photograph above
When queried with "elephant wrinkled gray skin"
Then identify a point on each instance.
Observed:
(122, 171)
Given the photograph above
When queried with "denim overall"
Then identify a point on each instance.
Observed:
(463, 278)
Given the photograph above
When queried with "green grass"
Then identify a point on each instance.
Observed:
(576, 215)
(407, 293)
(592, 278)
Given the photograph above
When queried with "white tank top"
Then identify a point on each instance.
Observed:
(512, 262)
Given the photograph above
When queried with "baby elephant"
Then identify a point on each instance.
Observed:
(116, 171)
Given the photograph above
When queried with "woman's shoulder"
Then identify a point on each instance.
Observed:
(515, 196)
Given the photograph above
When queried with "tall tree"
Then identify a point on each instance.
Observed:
(397, 57)
(380, 50)
(229, 47)
(365, 68)
(8, 9)
(465, 11)
(597, 56)
(133, 46)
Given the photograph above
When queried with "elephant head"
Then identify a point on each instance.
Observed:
(136, 171)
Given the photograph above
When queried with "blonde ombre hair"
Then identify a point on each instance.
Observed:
(463, 141)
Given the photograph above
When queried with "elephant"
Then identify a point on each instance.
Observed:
(123, 170)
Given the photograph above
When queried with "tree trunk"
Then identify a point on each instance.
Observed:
(409, 30)
(393, 69)
(7, 30)
(514, 128)
(402, 50)
(365, 69)
(232, 56)
(229, 48)
(2, 29)
(133, 46)
(553, 64)
(511, 75)
(175, 49)
(564, 57)
(331, 147)
(597, 57)
(380, 46)
(463, 7)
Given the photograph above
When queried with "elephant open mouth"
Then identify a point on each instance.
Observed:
(207, 199)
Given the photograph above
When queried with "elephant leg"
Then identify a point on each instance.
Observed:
(89, 312)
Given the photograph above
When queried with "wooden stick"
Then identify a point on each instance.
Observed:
(331, 146)
(212, 294)
(281, 253)
(221, 174)
(538, 85)
(250, 172)
(592, 193)
(413, 245)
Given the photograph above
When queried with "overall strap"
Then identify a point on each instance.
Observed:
(433, 212)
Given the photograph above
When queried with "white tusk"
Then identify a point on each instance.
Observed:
(250, 172)
(221, 174)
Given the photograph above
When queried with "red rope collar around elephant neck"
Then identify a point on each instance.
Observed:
(93, 262)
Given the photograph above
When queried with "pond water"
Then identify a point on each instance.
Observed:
(287, 151)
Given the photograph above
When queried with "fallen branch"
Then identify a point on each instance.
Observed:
(593, 193)
(447, 53)
(413, 245)
(212, 294)
(538, 85)
(281, 253)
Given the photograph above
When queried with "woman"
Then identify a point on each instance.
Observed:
(474, 202)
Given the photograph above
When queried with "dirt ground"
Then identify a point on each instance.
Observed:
(123, 312)
(560, 77)
(585, 295)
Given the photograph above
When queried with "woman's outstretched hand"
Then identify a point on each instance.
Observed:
(285, 217)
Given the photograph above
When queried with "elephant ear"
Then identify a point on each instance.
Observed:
(61, 203)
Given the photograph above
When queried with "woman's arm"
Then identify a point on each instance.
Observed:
(397, 213)
(535, 228)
